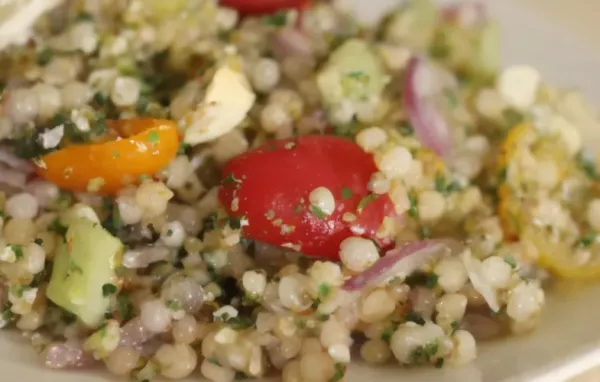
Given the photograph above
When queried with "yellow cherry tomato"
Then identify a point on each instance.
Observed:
(142, 148)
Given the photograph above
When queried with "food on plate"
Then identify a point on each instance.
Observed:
(254, 188)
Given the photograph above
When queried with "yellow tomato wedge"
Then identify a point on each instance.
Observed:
(558, 258)
(143, 148)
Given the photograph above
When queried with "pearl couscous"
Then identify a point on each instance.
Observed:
(248, 190)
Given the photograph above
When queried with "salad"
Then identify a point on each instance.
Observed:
(255, 188)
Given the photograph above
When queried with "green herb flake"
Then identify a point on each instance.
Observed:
(317, 212)
(439, 363)
(502, 174)
(432, 280)
(347, 193)
(413, 211)
(451, 97)
(586, 162)
(512, 117)
(142, 104)
(406, 129)
(240, 322)
(511, 261)
(387, 335)
(324, 290)
(277, 19)
(230, 179)
(44, 56)
(455, 325)
(213, 361)
(366, 201)
(234, 223)
(586, 241)
(7, 315)
(184, 149)
(415, 317)
(100, 98)
(424, 232)
(339, 373)
(109, 289)
(174, 305)
(153, 137)
(84, 16)
(124, 309)
(17, 250)
(39, 241)
(431, 348)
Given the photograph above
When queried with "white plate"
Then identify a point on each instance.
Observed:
(567, 341)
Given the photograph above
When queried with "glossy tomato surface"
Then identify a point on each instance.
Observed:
(258, 7)
(270, 187)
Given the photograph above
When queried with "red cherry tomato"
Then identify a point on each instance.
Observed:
(261, 7)
(270, 187)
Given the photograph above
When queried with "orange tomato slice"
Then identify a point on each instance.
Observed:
(144, 147)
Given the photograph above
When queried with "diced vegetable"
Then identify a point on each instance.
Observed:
(353, 72)
(257, 7)
(269, 188)
(82, 266)
(414, 25)
(146, 146)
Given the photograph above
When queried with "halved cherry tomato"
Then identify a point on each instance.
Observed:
(270, 187)
(261, 7)
(144, 147)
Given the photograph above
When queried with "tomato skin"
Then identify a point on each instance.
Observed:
(261, 7)
(270, 187)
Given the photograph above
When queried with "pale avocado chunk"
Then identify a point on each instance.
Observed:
(354, 73)
(83, 264)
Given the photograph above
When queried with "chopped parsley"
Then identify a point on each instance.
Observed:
(444, 187)
(339, 373)
(406, 129)
(230, 179)
(84, 16)
(432, 280)
(317, 212)
(100, 98)
(387, 335)
(366, 201)
(512, 117)
(174, 305)
(347, 193)
(109, 289)
(415, 317)
(455, 325)
(153, 137)
(240, 322)
(586, 241)
(413, 211)
(277, 19)
(44, 56)
(234, 223)
(17, 250)
(324, 290)
(502, 175)
(511, 261)
(425, 232)
(439, 363)
(451, 97)
(184, 149)
(7, 315)
(124, 309)
(142, 104)
(39, 241)
(426, 352)
(586, 162)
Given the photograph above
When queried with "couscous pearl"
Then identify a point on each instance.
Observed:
(377, 306)
(36, 258)
(525, 300)
(173, 234)
(325, 272)
(394, 162)
(342, 113)
(152, 198)
(75, 94)
(125, 91)
(19, 231)
(334, 333)
(265, 75)
(292, 294)
(6, 128)
(129, 211)
(23, 206)
(378, 183)
(254, 283)
(375, 351)
(371, 138)
(22, 105)
(216, 373)
(122, 361)
(45, 192)
(431, 205)
(176, 361)
(185, 330)
(399, 197)
(49, 100)
(155, 316)
(316, 367)
(60, 70)
(496, 271)
(593, 214)
(322, 199)
(409, 336)
(358, 254)
(451, 307)
(226, 18)
(274, 117)
(547, 174)
(465, 348)
(291, 372)
(290, 100)
(452, 274)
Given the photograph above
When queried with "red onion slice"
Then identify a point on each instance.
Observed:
(430, 126)
(7, 157)
(466, 14)
(69, 354)
(404, 259)
(291, 42)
